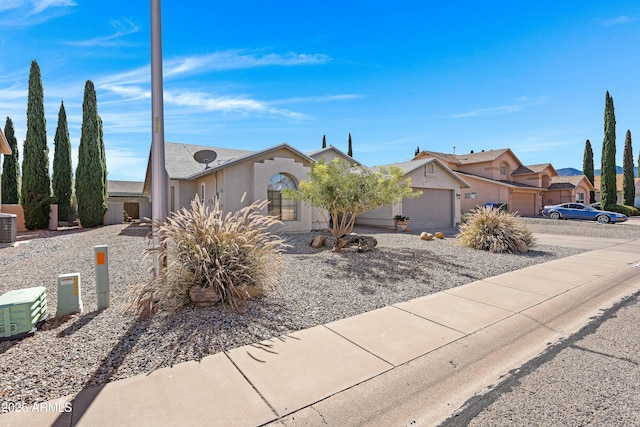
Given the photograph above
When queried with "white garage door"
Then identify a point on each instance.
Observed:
(433, 209)
(523, 203)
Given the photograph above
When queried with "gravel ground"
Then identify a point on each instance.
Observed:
(72, 353)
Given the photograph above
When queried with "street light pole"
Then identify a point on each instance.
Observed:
(158, 171)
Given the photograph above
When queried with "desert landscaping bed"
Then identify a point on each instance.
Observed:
(316, 286)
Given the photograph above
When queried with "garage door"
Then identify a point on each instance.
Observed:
(523, 203)
(433, 209)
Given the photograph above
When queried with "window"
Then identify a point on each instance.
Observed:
(172, 199)
(429, 168)
(503, 170)
(202, 192)
(285, 209)
(472, 195)
(580, 198)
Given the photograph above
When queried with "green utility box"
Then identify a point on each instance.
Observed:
(69, 294)
(21, 310)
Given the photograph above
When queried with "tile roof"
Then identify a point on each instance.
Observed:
(123, 188)
(180, 163)
(5, 148)
(619, 182)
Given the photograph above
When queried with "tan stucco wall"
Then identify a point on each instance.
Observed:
(262, 173)
(18, 212)
(487, 193)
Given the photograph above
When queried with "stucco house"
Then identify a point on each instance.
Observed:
(498, 176)
(261, 175)
(619, 188)
(437, 207)
(237, 178)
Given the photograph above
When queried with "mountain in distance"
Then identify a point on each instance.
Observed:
(574, 171)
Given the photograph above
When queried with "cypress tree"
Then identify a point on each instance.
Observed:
(324, 141)
(10, 168)
(62, 170)
(350, 152)
(628, 185)
(36, 185)
(91, 170)
(588, 168)
(608, 190)
(417, 151)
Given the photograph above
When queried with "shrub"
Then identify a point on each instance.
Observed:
(624, 209)
(202, 247)
(496, 231)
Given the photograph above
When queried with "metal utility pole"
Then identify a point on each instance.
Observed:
(158, 171)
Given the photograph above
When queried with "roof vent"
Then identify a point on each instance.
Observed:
(205, 157)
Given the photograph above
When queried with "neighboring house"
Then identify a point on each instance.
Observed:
(619, 188)
(127, 198)
(498, 176)
(437, 207)
(237, 178)
(331, 153)
(568, 189)
(5, 148)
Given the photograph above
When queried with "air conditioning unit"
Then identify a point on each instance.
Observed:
(21, 310)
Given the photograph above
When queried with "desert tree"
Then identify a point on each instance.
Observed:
(628, 184)
(36, 185)
(343, 191)
(608, 171)
(10, 168)
(588, 168)
(91, 169)
(62, 169)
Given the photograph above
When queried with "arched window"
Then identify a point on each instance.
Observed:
(283, 208)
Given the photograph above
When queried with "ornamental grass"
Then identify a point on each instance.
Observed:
(495, 231)
(203, 247)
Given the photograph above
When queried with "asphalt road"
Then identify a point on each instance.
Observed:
(590, 379)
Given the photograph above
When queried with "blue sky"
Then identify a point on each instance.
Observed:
(531, 76)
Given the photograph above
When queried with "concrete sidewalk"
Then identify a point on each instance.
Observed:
(411, 363)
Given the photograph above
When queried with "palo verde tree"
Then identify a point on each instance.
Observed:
(36, 185)
(608, 172)
(628, 184)
(588, 168)
(91, 169)
(62, 170)
(350, 150)
(345, 191)
(324, 141)
(10, 168)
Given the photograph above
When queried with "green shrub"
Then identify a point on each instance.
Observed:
(203, 247)
(624, 209)
(496, 231)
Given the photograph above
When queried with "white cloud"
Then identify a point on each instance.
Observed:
(616, 21)
(26, 13)
(522, 102)
(42, 5)
(122, 29)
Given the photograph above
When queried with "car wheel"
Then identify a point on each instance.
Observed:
(554, 215)
(603, 219)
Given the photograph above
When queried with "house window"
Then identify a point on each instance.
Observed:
(579, 197)
(172, 199)
(202, 192)
(279, 206)
(503, 170)
(472, 195)
(429, 168)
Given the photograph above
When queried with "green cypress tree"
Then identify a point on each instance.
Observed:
(103, 155)
(608, 172)
(350, 151)
(10, 168)
(417, 151)
(36, 185)
(324, 141)
(628, 185)
(588, 168)
(62, 169)
(91, 170)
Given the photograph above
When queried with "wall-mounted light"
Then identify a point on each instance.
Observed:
(458, 196)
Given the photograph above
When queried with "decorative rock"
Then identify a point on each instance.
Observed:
(439, 235)
(319, 241)
(426, 236)
(247, 292)
(203, 297)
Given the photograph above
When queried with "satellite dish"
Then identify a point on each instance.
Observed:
(205, 157)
